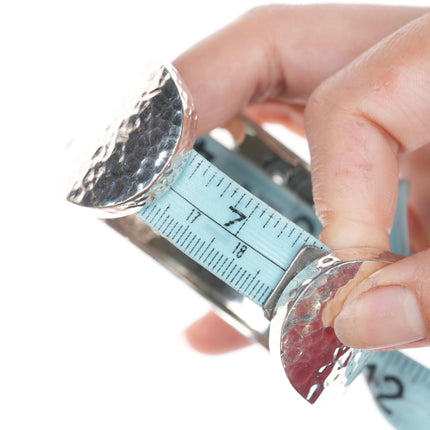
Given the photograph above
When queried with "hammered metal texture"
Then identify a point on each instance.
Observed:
(142, 152)
(312, 356)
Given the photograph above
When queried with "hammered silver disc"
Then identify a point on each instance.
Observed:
(302, 335)
(141, 153)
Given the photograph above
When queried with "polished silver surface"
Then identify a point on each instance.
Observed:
(141, 153)
(275, 145)
(304, 257)
(237, 310)
(301, 332)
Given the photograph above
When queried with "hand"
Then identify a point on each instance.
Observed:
(356, 80)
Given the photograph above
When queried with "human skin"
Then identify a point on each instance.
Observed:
(355, 80)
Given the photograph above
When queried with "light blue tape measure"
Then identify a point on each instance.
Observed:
(234, 243)
(223, 227)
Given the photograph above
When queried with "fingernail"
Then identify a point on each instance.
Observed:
(384, 317)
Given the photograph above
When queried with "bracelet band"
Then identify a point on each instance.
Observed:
(251, 232)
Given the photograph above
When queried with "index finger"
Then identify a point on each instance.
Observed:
(358, 122)
(279, 51)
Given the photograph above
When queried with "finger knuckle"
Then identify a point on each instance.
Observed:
(318, 103)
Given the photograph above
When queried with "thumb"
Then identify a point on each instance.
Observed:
(358, 122)
(391, 308)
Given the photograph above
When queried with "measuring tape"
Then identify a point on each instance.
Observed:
(227, 230)
(258, 251)
(400, 387)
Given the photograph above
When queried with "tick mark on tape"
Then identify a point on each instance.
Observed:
(222, 265)
(249, 217)
(229, 264)
(250, 201)
(167, 226)
(245, 281)
(188, 235)
(186, 228)
(195, 170)
(252, 280)
(195, 245)
(241, 277)
(231, 271)
(213, 259)
(155, 216)
(204, 251)
(210, 180)
(267, 222)
(171, 231)
(236, 274)
(238, 202)
(283, 229)
(253, 289)
(189, 244)
(297, 238)
(226, 188)
(154, 206)
(219, 259)
(207, 256)
(177, 232)
(264, 293)
(163, 219)
(201, 246)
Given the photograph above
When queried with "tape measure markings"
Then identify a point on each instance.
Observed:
(223, 227)
(217, 225)
(400, 387)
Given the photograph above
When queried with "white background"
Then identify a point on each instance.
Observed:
(89, 325)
